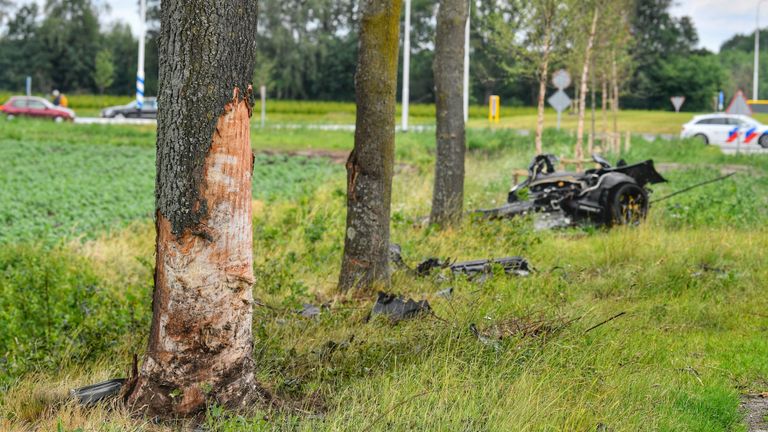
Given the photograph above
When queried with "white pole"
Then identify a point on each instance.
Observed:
(406, 64)
(140, 70)
(466, 65)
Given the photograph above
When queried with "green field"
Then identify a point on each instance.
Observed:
(76, 257)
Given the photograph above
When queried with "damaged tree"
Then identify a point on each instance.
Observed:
(370, 164)
(448, 194)
(200, 345)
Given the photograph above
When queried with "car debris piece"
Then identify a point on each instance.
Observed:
(445, 293)
(608, 195)
(95, 393)
(511, 265)
(398, 308)
(309, 311)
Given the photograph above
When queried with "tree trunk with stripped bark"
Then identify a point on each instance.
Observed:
(201, 344)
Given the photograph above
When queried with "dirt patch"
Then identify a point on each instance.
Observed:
(755, 408)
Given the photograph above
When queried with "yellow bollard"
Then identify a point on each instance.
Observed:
(494, 109)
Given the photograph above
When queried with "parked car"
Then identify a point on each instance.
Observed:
(32, 106)
(148, 110)
(726, 129)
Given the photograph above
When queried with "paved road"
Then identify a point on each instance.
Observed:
(124, 121)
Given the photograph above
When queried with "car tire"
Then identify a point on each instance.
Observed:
(10, 116)
(701, 137)
(627, 205)
(58, 119)
(763, 141)
(119, 116)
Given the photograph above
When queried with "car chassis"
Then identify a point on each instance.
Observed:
(606, 195)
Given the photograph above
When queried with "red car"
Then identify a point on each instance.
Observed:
(31, 106)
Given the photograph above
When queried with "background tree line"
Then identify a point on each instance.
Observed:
(307, 49)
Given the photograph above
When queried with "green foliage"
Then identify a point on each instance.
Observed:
(54, 310)
(81, 186)
(104, 71)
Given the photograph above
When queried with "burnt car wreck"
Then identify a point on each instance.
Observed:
(607, 195)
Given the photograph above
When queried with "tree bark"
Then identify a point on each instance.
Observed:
(448, 193)
(579, 150)
(200, 344)
(543, 75)
(370, 164)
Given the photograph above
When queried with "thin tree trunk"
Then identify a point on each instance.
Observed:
(615, 101)
(200, 343)
(370, 164)
(604, 103)
(579, 150)
(448, 194)
(543, 75)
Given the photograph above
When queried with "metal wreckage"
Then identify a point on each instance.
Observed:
(605, 196)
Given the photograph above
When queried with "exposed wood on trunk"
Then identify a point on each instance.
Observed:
(200, 345)
(579, 150)
(543, 75)
(370, 164)
(448, 193)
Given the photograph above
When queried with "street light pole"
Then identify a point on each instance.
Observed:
(756, 69)
(406, 64)
(140, 69)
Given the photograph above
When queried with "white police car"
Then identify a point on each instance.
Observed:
(727, 130)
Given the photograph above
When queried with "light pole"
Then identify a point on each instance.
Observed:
(140, 69)
(756, 72)
(406, 63)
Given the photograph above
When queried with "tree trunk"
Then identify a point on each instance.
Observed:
(543, 75)
(448, 194)
(200, 344)
(370, 164)
(579, 150)
(604, 103)
(615, 100)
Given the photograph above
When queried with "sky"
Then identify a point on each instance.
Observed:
(716, 20)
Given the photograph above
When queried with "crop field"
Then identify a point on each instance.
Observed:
(686, 288)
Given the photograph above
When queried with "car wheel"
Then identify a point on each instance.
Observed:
(119, 116)
(763, 141)
(703, 138)
(58, 119)
(627, 205)
(10, 116)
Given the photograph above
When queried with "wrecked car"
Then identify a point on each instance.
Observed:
(607, 195)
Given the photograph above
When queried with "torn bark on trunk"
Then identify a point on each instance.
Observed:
(370, 164)
(543, 75)
(200, 344)
(579, 150)
(448, 193)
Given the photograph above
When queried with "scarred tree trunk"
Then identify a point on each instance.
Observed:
(200, 344)
(448, 194)
(579, 150)
(543, 75)
(370, 164)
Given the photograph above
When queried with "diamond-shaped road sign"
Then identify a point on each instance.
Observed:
(561, 79)
(559, 101)
(677, 102)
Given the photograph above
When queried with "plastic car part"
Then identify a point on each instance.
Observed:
(92, 394)
(398, 308)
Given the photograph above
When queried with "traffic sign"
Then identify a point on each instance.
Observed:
(677, 102)
(561, 79)
(559, 101)
(739, 105)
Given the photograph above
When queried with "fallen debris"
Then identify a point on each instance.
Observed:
(514, 265)
(446, 293)
(605, 321)
(398, 308)
(309, 311)
(92, 394)
(517, 327)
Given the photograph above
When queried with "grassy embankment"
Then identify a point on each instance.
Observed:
(74, 309)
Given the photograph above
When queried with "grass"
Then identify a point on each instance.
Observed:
(690, 281)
